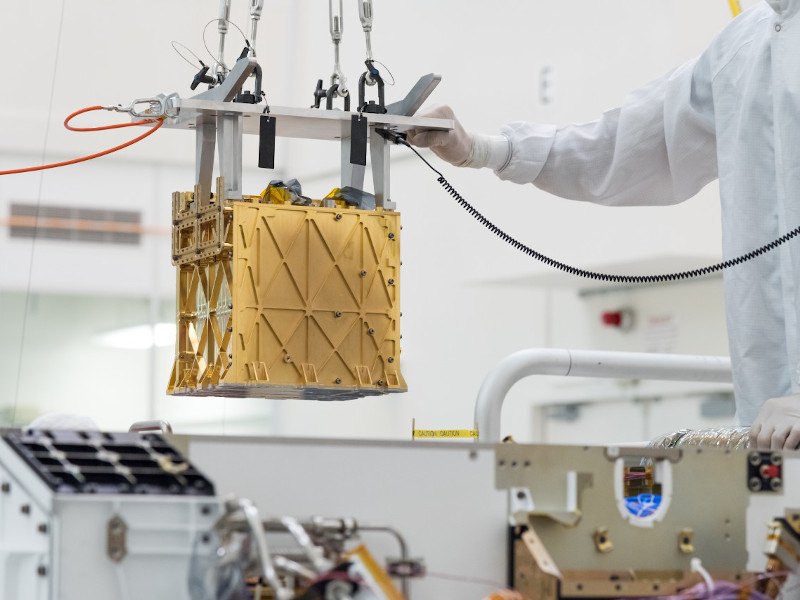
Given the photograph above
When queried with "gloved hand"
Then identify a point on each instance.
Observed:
(453, 146)
(777, 426)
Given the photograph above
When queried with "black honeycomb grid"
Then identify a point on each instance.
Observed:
(94, 462)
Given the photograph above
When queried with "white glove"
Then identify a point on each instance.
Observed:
(458, 146)
(454, 146)
(777, 426)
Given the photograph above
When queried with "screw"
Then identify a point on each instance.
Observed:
(390, 359)
(41, 571)
(370, 331)
(338, 217)
(391, 236)
(230, 355)
(338, 380)
(287, 359)
(230, 329)
(205, 510)
(25, 509)
(363, 274)
(42, 528)
(390, 282)
(205, 538)
(5, 487)
(337, 314)
(380, 382)
(230, 305)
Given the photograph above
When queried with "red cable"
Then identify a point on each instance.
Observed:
(156, 124)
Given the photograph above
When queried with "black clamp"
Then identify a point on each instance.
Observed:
(202, 76)
(375, 77)
(319, 94)
(329, 94)
(245, 96)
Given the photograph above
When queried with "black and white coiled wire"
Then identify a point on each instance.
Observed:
(609, 277)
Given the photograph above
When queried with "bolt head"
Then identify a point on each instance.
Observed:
(338, 380)
(370, 331)
(363, 274)
(5, 487)
(41, 571)
(338, 217)
(390, 359)
(42, 528)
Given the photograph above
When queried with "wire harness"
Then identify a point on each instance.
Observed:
(571, 270)
(156, 123)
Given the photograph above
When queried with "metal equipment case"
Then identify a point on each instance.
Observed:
(87, 515)
(280, 300)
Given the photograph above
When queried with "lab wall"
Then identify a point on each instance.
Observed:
(467, 298)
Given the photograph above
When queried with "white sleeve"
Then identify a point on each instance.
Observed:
(658, 148)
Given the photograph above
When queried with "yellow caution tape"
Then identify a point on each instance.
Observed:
(444, 433)
(441, 433)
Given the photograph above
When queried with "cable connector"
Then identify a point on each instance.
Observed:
(396, 137)
(156, 107)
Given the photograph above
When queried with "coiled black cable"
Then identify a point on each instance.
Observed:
(610, 277)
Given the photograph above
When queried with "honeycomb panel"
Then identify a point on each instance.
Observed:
(94, 462)
(303, 302)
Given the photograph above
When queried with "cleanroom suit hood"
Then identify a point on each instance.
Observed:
(732, 113)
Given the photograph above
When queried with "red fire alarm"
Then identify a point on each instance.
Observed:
(621, 319)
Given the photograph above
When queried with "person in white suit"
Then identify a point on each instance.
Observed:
(732, 113)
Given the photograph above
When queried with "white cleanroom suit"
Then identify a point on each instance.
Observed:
(732, 113)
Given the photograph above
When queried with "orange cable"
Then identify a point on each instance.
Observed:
(157, 123)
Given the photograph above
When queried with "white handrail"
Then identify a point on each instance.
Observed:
(586, 363)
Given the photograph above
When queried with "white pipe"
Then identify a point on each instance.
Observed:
(584, 363)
